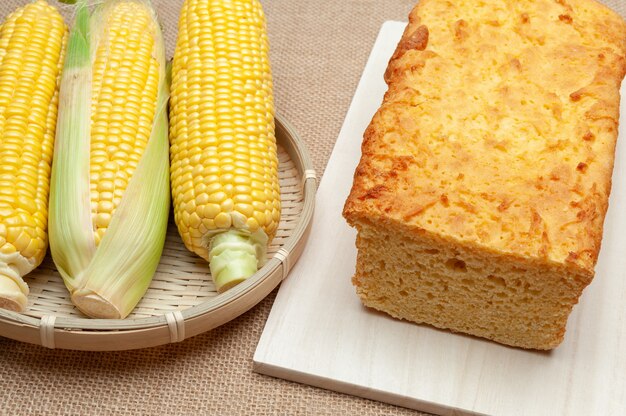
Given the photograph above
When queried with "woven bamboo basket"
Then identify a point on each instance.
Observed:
(181, 301)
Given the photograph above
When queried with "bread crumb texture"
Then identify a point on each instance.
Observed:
(485, 174)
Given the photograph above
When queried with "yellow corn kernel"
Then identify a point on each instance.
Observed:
(124, 97)
(223, 146)
(108, 212)
(233, 133)
(32, 45)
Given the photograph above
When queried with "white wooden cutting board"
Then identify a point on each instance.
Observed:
(318, 333)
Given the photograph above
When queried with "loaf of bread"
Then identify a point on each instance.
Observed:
(480, 196)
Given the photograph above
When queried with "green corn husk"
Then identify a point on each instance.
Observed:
(106, 281)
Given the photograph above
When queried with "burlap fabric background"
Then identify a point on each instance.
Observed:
(319, 49)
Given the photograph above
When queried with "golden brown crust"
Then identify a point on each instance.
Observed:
(498, 128)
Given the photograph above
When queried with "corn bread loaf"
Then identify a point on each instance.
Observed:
(484, 179)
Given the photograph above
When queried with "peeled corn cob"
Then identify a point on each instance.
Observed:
(32, 44)
(224, 164)
(109, 201)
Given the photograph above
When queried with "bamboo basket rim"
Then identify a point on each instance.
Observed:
(49, 331)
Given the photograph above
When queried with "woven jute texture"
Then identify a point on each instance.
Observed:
(319, 49)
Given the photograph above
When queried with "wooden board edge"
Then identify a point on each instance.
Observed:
(271, 370)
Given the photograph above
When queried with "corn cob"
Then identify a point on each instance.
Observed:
(32, 44)
(109, 201)
(224, 164)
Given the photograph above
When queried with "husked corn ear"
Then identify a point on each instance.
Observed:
(224, 163)
(110, 178)
(32, 43)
